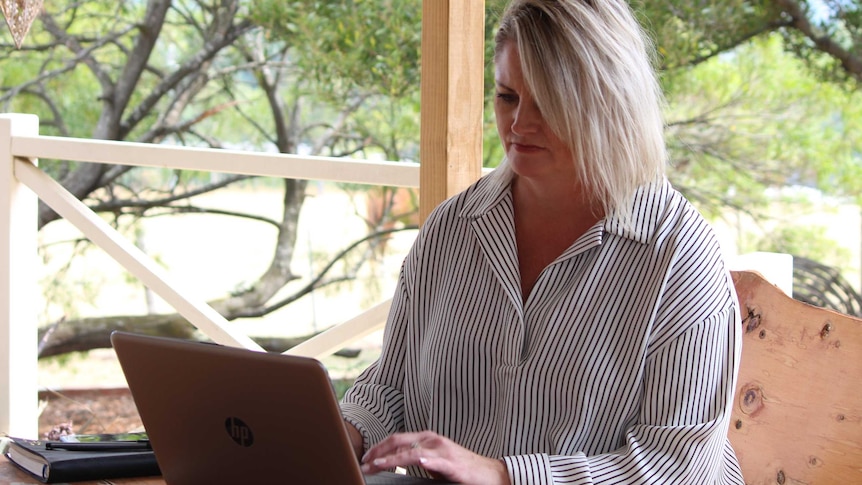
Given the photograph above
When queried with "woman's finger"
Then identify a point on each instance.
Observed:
(394, 444)
(399, 450)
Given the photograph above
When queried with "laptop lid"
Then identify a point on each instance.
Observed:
(217, 414)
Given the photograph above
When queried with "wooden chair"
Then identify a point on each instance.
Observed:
(798, 411)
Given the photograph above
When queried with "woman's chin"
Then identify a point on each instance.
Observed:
(536, 167)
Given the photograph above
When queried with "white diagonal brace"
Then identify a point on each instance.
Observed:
(339, 336)
(199, 314)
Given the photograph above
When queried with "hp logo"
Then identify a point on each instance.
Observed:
(239, 431)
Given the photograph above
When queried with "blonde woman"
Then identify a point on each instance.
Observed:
(569, 317)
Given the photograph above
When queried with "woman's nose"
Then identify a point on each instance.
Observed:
(527, 119)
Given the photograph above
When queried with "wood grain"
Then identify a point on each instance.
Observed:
(453, 39)
(797, 416)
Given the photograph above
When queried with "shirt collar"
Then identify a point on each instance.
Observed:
(649, 205)
(489, 192)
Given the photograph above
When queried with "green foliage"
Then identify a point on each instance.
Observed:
(835, 21)
(341, 386)
(806, 241)
(757, 118)
(350, 45)
(78, 104)
(67, 288)
(492, 150)
(353, 51)
(687, 32)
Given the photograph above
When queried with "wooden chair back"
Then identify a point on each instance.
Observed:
(797, 416)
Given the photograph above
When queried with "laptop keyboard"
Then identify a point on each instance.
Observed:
(389, 478)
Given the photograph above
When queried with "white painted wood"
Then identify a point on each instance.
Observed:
(18, 288)
(198, 313)
(342, 335)
(395, 174)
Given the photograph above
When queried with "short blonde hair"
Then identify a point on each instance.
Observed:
(588, 65)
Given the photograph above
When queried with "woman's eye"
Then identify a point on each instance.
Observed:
(507, 98)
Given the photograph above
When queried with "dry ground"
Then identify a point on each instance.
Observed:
(89, 411)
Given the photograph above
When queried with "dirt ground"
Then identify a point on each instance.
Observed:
(88, 411)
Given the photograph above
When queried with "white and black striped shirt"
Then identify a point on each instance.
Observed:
(619, 367)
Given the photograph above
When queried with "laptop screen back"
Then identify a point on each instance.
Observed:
(217, 414)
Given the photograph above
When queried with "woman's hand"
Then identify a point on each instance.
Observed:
(439, 455)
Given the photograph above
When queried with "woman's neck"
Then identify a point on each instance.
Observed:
(547, 222)
(554, 199)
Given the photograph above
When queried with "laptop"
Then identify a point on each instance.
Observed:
(217, 414)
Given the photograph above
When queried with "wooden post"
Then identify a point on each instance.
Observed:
(18, 288)
(453, 39)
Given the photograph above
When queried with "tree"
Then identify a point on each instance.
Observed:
(824, 33)
(770, 98)
(179, 72)
(736, 129)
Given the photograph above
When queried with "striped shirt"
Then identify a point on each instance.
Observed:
(618, 368)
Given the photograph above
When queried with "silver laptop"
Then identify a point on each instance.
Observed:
(218, 414)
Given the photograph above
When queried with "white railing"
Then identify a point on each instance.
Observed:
(22, 183)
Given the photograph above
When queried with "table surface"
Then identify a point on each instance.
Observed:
(11, 474)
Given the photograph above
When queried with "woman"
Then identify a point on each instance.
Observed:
(569, 317)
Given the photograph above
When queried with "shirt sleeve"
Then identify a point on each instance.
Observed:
(375, 402)
(680, 436)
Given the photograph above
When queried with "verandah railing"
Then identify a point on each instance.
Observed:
(22, 184)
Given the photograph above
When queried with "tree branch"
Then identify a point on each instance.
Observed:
(851, 62)
(208, 51)
(319, 281)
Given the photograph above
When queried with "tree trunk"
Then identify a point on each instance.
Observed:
(95, 333)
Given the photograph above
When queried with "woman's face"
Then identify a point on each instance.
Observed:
(532, 148)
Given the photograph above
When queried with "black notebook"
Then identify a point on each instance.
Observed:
(64, 465)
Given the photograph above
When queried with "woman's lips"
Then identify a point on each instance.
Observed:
(524, 148)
